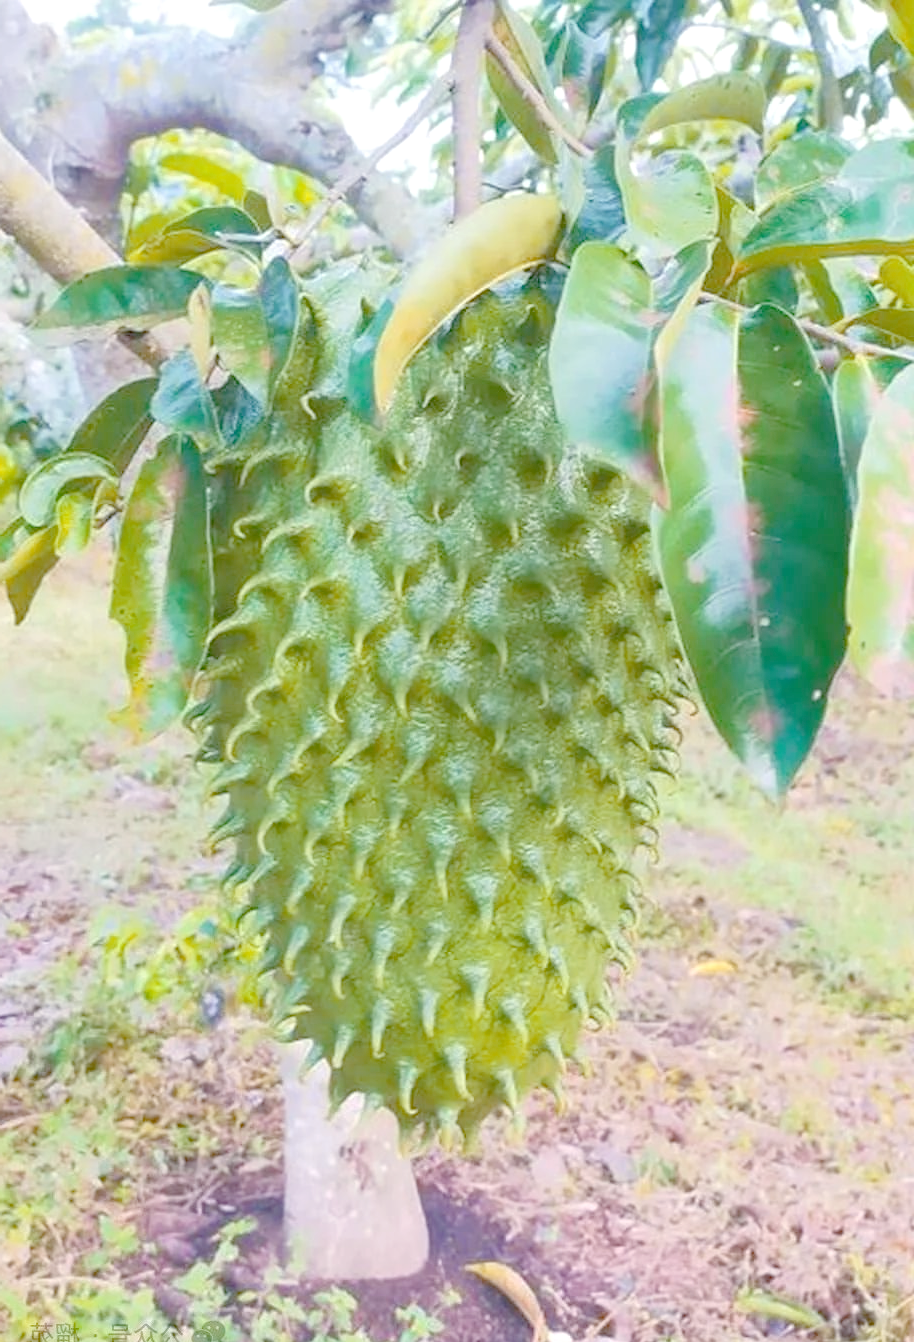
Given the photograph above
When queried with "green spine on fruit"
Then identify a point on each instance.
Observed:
(442, 681)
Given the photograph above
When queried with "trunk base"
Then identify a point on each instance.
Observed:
(351, 1208)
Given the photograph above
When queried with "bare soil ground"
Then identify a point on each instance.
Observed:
(738, 1164)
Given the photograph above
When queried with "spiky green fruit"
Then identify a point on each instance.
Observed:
(444, 677)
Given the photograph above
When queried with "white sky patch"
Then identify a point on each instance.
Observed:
(219, 19)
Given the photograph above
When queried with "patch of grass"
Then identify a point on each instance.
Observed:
(834, 860)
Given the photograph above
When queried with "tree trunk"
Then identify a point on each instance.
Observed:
(352, 1208)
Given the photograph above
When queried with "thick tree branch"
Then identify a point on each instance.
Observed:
(56, 236)
(466, 70)
(832, 107)
(254, 90)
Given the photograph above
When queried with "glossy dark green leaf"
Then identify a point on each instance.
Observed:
(253, 330)
(866, 208)
(811, 156)
(596, 16)
(360, 372)
(115, 428)
(660, 23)
(581, 63)
(132, 298)
(601, 217)
(183, 402)
(163, 590)
(880, 594)
(608, 322)
(238, 413)
(203, 231)
(43, 485)
(753, 549)
(670, 201)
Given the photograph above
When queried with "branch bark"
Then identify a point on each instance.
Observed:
(466, 70)
(832, 107)
(255, 90)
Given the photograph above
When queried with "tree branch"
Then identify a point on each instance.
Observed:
(254, 90)
(500, 53)
(466, 69)
(56, 236)
(827, 334)
(355, 175)
(831, 103)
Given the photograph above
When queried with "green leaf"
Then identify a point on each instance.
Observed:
(204, 169)
(115, 428)
(812, 156)
(523, 45)
(671, 201)
(659, 24)
(163, 588)
(238, 413)
(730, 97)
(855, 393)
(581, 62)
(203, 231)
(256, 205)
(132, 298)
(601, 218)
(183, 402)
(253, 330)
(770, 1306)
(898, 322)
(867, 208)
(880, 594)
(41, 488)
(608, 322)
(753, 549)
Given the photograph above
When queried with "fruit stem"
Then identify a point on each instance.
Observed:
(466, 70)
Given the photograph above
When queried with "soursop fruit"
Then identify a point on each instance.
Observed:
(442, 682)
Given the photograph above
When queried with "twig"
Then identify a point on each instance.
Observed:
(827, 334)
(473, 31)
(502, 55)
(359, 172)
(832, 106)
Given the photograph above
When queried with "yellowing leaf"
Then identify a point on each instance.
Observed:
(522, 45)
(897, 275)
(500, 238)
(704, 969)
(514, 1288)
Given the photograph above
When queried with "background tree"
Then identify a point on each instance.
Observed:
(735, 314)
